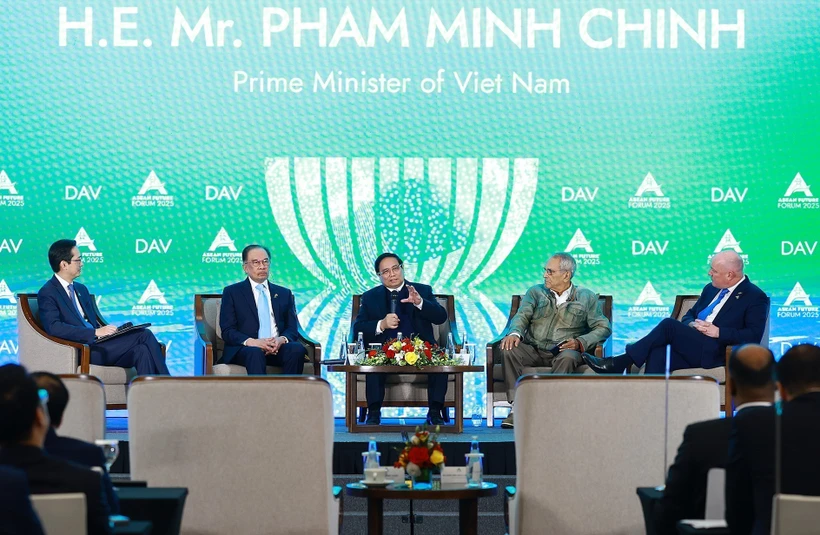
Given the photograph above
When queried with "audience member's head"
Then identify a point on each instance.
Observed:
(57, 395)
(750, 374)
(798, 371)
(23, 418)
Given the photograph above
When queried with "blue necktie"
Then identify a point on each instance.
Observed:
(76, 308)
(263, 307)
(703, 314)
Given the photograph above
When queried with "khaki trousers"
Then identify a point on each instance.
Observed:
(527, 356)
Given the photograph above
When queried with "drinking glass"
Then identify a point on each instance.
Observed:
(111, 450)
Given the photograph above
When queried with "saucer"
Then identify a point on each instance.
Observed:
(376, 483)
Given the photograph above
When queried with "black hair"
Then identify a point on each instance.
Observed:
(19, 401)
(250, 248)
(57, 395)
(60, 251)
(799, 369)
(383, 256)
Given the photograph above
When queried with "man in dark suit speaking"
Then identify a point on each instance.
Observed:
(66, 311)
(730, 311)
(258, 320)
(399, 306)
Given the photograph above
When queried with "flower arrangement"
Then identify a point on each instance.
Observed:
(421, 455)
(408, 352)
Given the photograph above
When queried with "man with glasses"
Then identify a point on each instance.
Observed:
(67, 312)
(258, 320)
(25, 424)
(555, 324)
(730, 311)
(398, 306)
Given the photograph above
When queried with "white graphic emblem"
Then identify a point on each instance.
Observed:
(649, 296)
(152, 183)
(798, 294)
(84, 240)
(222, 240)
(6, 184)
(6, 294)
(579, 241)
(728, 241)
(152, 293)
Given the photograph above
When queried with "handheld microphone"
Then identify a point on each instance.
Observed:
(394, 299)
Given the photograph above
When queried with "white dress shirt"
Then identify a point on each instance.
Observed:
(65, 284)
(711, 317)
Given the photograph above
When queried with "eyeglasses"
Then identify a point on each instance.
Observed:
(388, 271)
(77, 260)
(43, 393)
(548, 271)
(258, 263)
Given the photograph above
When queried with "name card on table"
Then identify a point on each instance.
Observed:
(453, 477)
(395, 474)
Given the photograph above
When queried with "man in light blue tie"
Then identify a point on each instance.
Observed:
(730, 311)
(258, 320)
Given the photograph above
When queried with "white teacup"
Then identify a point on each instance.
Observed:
(375, 475)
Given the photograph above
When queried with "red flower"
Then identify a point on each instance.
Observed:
(427, 345)
(390, 353)
(419, 455)
(372, 353)
(407, 347)
(428, 354)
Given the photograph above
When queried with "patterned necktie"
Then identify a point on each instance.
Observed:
(73, 298)
(703, 314)
(263, 307)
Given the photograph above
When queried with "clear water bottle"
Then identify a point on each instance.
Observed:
(475, 465)
(451, 346)
(372, 454)
(399, 336)
(360, 343)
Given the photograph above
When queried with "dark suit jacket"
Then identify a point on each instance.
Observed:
(705, 446)
(375, 305)
(741, 320)
(750, 472)
(49, 475)
(83, 453)
(59, 316)
(17, 517)
(239, 318)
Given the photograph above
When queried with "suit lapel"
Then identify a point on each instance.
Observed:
(66, 301)
(274, 304)
(247, 292)
(737, 295)
(85, 301)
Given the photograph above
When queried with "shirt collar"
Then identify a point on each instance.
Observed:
(62, 282)
(753, 404)
(399, 289)
(255, 285)
(734, 287)
(564, 294)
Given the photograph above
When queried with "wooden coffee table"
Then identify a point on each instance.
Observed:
(353, 370)
(467, 502)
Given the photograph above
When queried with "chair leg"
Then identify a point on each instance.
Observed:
(490, 409)
(362, 414)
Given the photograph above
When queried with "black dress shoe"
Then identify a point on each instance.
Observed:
(605, 365)
(374, 417)
(435, 419)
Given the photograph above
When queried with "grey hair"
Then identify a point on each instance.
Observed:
(566, 263)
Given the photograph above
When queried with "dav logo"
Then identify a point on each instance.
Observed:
(651, 247)
(87, 248)
(9, 245)
(8, 303)
(798, 305)
(798, 196)
(8, 192)
(222, 250)
(729, 194)
(580, 242)
(648, 304)
(144, 246)
(788, 248)
(152, 302)
(153, 193)
(650, 195)
(727, 242)
(82, 193)
(223, 193)
(584, 194)
(8, 347)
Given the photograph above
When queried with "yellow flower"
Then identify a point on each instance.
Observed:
(411, 357)
(396, 345)
(436, 457)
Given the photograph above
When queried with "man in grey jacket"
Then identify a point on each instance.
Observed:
(555, 323)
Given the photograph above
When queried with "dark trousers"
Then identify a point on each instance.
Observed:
(290, 357)
(137, 349)
(436, 388)
(690, 348)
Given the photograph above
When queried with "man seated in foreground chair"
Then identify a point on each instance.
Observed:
(25, 424)
(556, 322)
(66, 311)
(750, 471)
(730, 311)
(399, 306)
(258, 320)
(71, 449)
(706, 444)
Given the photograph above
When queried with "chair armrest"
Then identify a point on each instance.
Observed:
(313, 347)
(509, 500)
(204, 362)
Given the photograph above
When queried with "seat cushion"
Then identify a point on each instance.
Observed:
(111, 375)
(235, 369)
(718, 373)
